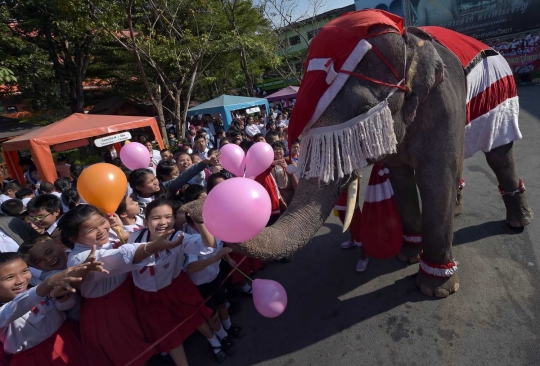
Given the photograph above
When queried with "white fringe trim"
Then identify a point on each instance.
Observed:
(439, 272)
(345, 148)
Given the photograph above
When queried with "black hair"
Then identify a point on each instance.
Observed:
(13, 185)
(8, 257)
(28, 244)
(212, 150)
(25, 161)
(47, 202)
(60, 158)
(271, 133)
(137, 178)
(157, 203)
(46, 187)
(193, 191)
(62, 184)
(23, 193)
(189, 220)
(246, 144)
(182, 153)
(12, 207)
(176, 205)
(297, 141)
(70, 198)
(163, 150)
(212, 181)
(70, 223)
(278, 144)
(176, 153)
(224, 141)
(257, 136)
(122, 207)
(198, 137)
(76, 170)
(164, 168)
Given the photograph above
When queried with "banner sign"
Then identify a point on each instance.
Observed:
(113, 139)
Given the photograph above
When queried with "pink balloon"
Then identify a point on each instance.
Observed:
(237, 210)
(270, 297)
(135, 156)
(259, 158)
(232, 158)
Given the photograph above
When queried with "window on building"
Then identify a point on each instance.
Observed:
(294, 40)
(312, 33)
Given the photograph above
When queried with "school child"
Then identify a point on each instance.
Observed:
(167, 170)
(129, 213)
(205, 272)
(70, 198)
(46, 188)
(146, 187)
(33, 326)
(13, 207)
(50, 256)
(25, 195)
(61, 185)
(44, 212)
(9, 192)
(110, 328)
(165, 295)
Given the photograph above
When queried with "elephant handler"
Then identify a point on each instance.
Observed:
(354, 229)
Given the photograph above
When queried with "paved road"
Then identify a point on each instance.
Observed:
(338, 317)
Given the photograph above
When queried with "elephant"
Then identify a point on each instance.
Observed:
(428, 114)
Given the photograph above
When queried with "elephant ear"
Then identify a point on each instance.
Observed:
(425, 71)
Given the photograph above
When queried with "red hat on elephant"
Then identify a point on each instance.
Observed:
(340, 45)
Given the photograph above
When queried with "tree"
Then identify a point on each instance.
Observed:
(288, 21)
(61, 30)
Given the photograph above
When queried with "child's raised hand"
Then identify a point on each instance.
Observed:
(59, 292)
(163, 241)
(66, 277)
(92, 264)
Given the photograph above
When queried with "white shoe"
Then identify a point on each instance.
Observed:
(348, 244)
(362, 265)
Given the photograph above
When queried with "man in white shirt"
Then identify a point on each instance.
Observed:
(199, 147)
(252, 129)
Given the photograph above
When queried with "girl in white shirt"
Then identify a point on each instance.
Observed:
(164, 294)
(110, 329)
(33, 326)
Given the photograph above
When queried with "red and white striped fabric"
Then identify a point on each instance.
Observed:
(492, 101)
(380, 228)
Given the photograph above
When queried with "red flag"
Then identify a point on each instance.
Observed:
(381, 232)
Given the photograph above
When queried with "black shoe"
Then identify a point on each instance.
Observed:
(220, 356)
(228, 346)
(235, 331)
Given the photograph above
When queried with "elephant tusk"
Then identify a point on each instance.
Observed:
(352, 197)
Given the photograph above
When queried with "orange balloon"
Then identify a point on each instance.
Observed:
(103, 185)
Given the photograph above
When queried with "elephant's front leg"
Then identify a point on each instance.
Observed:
(501, 161)
(438, 185)
(406, 195)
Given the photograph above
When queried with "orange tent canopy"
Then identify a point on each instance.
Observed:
(75, 127)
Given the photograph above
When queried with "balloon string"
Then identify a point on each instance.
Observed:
(120, 234)
(242, 273)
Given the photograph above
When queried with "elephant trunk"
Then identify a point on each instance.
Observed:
(310, 207)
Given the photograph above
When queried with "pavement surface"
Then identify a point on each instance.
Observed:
(336, 316)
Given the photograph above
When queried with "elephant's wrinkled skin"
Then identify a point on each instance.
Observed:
(429, 124)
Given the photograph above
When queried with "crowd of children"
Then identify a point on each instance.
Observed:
(80, 287)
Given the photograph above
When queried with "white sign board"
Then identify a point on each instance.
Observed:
(253, 110)
(113, 139)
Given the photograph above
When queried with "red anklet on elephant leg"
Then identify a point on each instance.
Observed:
(413, 239)
(437, 270)
(521, 189)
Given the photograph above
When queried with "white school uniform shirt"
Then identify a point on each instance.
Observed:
(4, 198)
(117, 259)
(252, 130)
(57, 194)
(168, 264)
(156, 157)
(208, 274)
(51, 229)
(29, 319)
(138, 225)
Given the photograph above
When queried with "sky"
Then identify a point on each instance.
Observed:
(303, 7)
